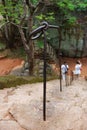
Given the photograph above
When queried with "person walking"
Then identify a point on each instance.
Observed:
(64, 72)
(78, 68)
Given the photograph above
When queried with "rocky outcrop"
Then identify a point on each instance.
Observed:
(21, 108)
(23, 70)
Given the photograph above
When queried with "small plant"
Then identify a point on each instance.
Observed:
(11, 81)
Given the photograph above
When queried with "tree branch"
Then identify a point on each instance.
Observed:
(23, 39)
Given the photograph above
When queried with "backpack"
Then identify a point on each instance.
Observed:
(66, 71)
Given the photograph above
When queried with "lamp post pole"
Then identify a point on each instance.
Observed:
(44, 78)
(34, 35)
(60, 71)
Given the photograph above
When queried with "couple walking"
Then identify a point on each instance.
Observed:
(65, 68)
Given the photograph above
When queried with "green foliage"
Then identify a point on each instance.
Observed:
(40, 44)
(71, 20)
(81, 6)
(50, 17)
(12, 11)
(47, 17)
(40, 17)
(66, 4)
(34, 2)
(69, 7)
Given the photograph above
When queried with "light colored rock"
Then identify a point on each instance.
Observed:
(10, 125)
(66, 110)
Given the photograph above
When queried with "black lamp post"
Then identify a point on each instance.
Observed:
(60, 55)
(44, 78)
(34, 35)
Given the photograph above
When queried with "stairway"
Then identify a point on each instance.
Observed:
(51, 60)
(50, 54)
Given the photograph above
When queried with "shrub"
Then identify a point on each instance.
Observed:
(13, 81)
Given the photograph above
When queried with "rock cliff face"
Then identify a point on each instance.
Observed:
(70, 45)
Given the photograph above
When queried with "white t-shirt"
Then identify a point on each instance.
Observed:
(64, 68)
(78, 69)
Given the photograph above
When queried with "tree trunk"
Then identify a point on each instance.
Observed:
(31, 47)
(10, 36)
(31, 58)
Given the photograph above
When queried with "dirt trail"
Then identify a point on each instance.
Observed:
(6, 65)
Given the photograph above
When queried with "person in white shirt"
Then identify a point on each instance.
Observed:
(64, 70)
(77, 70)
